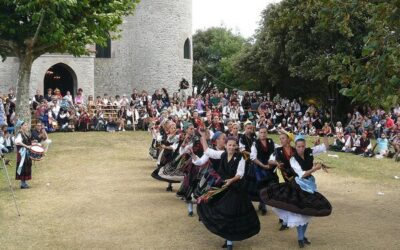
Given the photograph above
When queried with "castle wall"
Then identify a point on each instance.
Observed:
(81, 68)
(8, 74)
(150, 53)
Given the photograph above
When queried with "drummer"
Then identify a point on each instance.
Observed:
(23, 142)
(39, 135)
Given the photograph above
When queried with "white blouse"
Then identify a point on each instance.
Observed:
(18, 139)
(200, 161)
(214, 154)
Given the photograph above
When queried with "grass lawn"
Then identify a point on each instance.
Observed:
(94, 191)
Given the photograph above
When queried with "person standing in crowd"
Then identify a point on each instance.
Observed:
(23, 142)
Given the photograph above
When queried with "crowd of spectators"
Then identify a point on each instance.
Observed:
(54, 112)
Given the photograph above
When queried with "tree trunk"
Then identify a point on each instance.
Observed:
(23, 110)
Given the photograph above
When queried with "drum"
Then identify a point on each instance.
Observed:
(36, 152)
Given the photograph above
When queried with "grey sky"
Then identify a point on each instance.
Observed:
(241, 16)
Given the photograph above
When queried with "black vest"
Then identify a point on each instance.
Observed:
(227, 170)
(287, 170)
(263, 153)
(26, 139)
(308, 161)
(247, 142)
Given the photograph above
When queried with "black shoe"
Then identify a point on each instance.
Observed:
(263, 212)
(306, 241)
(224, 245)
(280, 221)
(230, 247)
(190, 214)
(283, 228)
(169, 189)
(301, 244)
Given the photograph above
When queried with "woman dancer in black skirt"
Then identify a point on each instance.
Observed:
(297, 201)
(231, 214)
(167, 156)
(209, 176)
(281, 159)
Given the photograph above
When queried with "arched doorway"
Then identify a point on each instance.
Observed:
(60, 76)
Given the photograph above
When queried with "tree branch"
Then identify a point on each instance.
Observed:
(38, 28)
(30, 43)
(37, 52)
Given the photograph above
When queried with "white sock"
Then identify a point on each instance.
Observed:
(229, 243)
(190, 207)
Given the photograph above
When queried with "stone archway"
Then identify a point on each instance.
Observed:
(60, 76)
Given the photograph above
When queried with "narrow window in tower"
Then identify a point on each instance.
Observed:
(187, 50)
(104, 52)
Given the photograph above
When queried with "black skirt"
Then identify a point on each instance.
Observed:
(290, 197)
(156, 176)
(256, 179)
(26, 172)
(231, 215)
(190, 180)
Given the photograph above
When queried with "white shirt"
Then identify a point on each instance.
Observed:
(184, 150)
(18, 139)
(200, 161)
(214, 154)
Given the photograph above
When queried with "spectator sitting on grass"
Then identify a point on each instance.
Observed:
(363, 145)
(396, 145)
(338, 128)
(338, 143)
(351, 139)
(382, 146)
(111, 124)
(327, 130)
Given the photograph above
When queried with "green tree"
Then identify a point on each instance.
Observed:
(329, 45)
(374, 76)
(31, 28)
(214, 52)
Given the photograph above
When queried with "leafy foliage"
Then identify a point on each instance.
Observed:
(214, 52)
(58, 25)
(331, 44)
(31, 28)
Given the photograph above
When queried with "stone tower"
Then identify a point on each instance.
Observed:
(154, 51)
